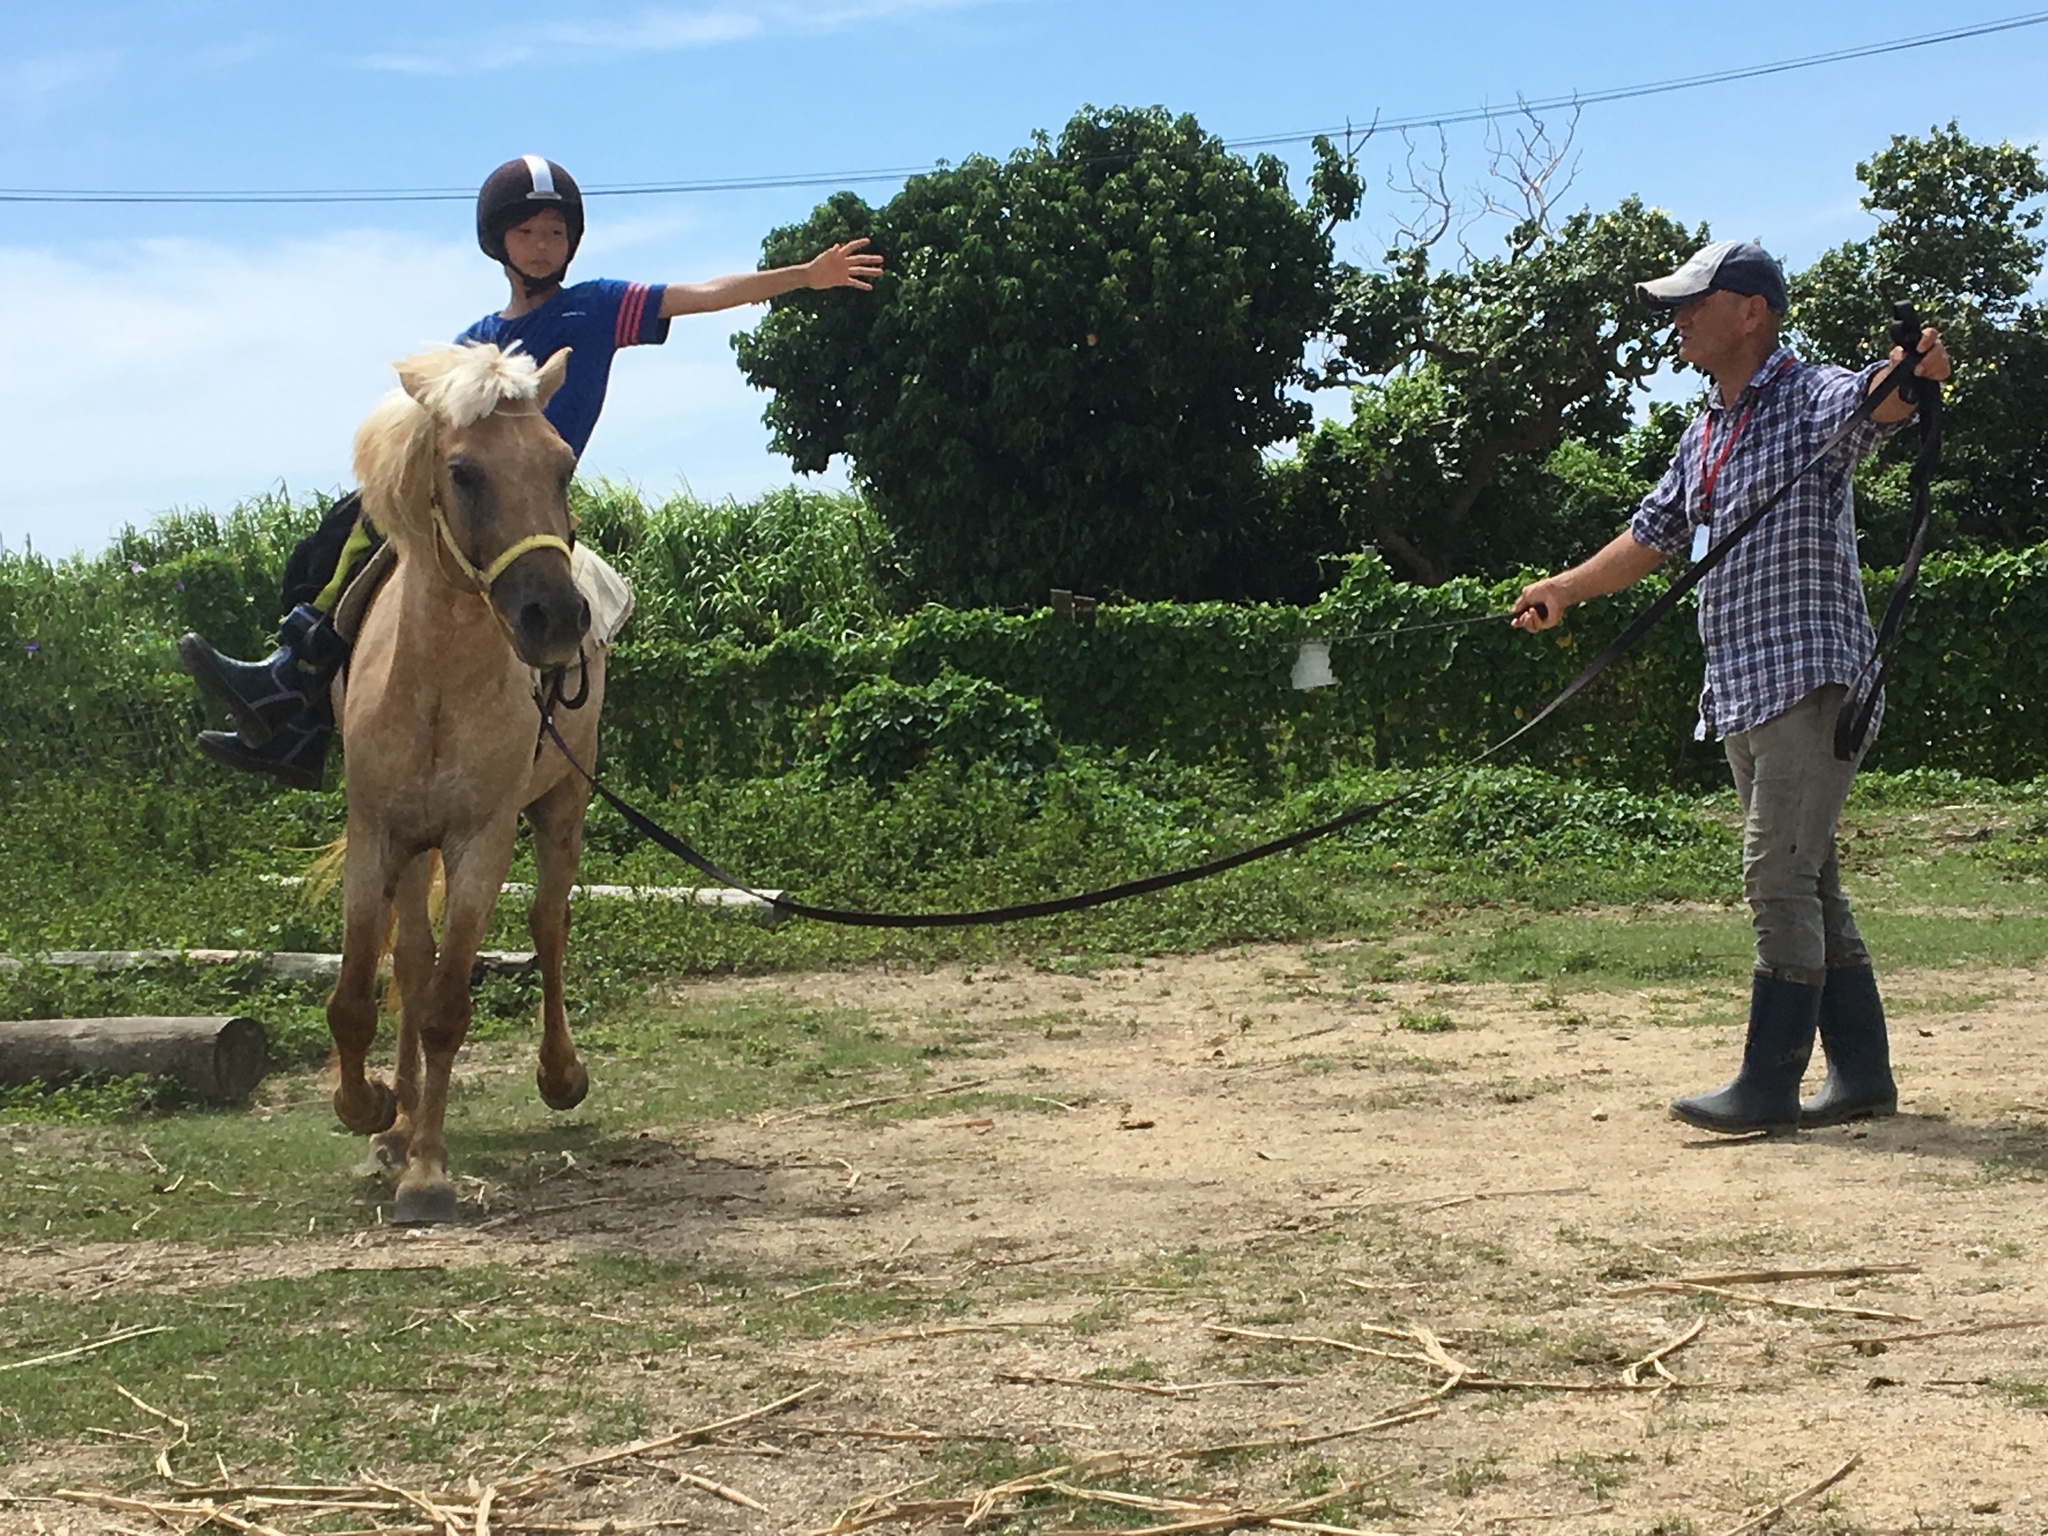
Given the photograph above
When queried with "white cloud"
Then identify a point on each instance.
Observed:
(664, 29)
(190, 373)
(29, 87)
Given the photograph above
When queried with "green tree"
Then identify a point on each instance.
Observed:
(1955, 235)
(1068, 373)
(1476, 375)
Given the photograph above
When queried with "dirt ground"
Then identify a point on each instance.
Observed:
(1252, 1141)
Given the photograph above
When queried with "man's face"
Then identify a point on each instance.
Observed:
(1716, 326)
(538, 245)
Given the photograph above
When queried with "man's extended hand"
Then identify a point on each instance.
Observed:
(1541, 605)
(843, 266)
(1621, 561)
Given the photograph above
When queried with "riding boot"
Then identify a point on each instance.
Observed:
(1764, 1094)
(1852, 1033)
(295, 754)
(269, 696)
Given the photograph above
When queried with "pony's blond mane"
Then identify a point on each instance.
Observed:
(444, 387)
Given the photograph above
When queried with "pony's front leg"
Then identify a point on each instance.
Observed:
(475, 868)
(361, 1103)
(557, 819)
(412, 971)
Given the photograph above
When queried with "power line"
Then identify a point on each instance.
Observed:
(1659, 87)
(283, 196)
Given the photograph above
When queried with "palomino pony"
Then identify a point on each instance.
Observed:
(469, 482)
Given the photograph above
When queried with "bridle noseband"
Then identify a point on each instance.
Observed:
(487, 576)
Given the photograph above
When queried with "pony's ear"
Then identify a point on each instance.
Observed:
(551, 374)
(412, 379)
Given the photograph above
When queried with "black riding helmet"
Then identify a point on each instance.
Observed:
(515, 192)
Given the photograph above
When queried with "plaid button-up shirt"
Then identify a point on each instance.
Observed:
(1784, 614)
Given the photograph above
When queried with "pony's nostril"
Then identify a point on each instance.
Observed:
(583, 618)
(533, 622)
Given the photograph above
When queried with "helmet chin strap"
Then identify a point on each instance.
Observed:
(536, 286)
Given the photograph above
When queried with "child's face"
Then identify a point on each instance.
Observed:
(539, 245)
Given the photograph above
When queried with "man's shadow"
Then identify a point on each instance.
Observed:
(2013, 1145)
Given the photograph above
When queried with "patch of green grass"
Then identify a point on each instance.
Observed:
(970, 1465)
(1433, 1021)
(772, 1310)
(110, 861)
(1611, 950)
(2022, 1391)
(241, 1175)
(454, 1369)
(1466, 1478)
(95, 1099)
(1101, 1316)
(1598, 1474)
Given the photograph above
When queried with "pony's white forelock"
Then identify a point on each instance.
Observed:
(463, 384)
(453, 386)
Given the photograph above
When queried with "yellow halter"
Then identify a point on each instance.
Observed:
(488, 576)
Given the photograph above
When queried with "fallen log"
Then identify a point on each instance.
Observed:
(216, 1059)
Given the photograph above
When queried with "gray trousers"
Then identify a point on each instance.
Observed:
(1792, 788)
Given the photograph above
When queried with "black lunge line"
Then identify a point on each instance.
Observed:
(1852, 725)
(1614, 651)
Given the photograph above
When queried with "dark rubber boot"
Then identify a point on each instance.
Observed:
(267, 696)
(1852, 1032)
(1764, 1095)
(295, 755)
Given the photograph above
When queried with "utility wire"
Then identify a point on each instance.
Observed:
(1656, 87)
(898, 173)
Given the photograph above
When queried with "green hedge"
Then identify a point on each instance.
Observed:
(88, 676)
(1198, 681)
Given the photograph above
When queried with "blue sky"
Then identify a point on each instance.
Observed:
(188, 356)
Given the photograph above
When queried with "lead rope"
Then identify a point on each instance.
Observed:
(1050, 907)
(1852, 725)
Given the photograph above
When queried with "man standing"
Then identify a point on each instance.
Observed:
(1786, 631)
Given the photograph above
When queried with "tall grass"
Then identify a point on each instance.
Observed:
(792, 560)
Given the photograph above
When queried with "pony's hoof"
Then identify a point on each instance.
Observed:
(431, 1205)
(569, 1092)
(374, 1119)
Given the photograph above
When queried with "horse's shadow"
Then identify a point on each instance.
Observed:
(571, 1179)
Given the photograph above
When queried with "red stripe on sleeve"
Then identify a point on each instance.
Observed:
(631, 308)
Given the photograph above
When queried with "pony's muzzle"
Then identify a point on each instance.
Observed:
(547, 616)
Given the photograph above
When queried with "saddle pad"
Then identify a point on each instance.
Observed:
(610, 599)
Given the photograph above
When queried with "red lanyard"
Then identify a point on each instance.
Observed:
(1709, 473)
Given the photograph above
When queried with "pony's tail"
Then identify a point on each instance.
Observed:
(324, 873)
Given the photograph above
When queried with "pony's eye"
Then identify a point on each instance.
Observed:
(465, 476)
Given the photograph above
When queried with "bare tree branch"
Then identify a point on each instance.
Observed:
(1530, 168)
(1428, 185)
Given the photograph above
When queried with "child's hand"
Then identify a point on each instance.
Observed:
(842, 266)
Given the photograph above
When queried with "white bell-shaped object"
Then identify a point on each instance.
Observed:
(1312, 666)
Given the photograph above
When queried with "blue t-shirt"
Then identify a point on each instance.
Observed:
(594, 320)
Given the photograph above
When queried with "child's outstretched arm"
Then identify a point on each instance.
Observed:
(838, 266)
